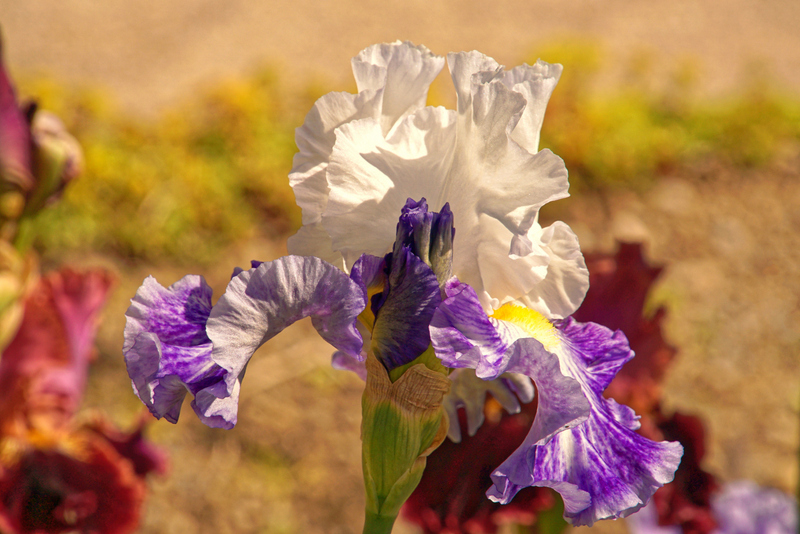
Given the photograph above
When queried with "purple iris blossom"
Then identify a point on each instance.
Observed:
(744, 507)
(741, 507)
(599, 465)
(176, 342)
(579, 444)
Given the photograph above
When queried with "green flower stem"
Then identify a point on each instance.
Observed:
(403, 422)
(378, 524)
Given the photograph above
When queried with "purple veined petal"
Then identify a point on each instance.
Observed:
(601, 467)
(369, 273)
(401, 326)
(463, 336)
(603, 458)
(261, 302)
(168, 353)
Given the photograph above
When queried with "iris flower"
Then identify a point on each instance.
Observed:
(57, 472)
(414, 309)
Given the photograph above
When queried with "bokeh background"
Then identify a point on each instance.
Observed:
(678, 120)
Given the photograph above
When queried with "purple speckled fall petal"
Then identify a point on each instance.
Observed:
(261, 302)
(167, 352)
(601, 467)
(463, 336)
(603, 458)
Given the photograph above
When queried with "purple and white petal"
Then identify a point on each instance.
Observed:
(743, 507)
(603, 458)
(601, 467)
(261, 302)
(463, 336)
(166, 349)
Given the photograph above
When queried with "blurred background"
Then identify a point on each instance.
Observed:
(679, 122)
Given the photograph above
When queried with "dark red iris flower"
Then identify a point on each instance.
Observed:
(451, 496)
(60, 475)
(16, 161)
(38, 157)
(47, 491)
(686, 501)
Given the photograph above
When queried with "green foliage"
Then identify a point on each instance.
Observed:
(206, 176)
(630, 136)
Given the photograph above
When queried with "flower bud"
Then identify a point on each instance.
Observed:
(57, 159)
(429, 235)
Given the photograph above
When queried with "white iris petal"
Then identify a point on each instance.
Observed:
(361, 156)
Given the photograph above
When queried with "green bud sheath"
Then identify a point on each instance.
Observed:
(403, 422)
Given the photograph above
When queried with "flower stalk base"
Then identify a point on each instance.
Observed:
(403, 422)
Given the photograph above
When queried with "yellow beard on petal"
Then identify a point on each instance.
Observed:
(533, 322)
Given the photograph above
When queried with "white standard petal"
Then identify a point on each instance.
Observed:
(313, 240)
(481, 159)
(536, 83)
(563, 289)
(393, 81)
(403, 72)
(371, 178)
(315, 139)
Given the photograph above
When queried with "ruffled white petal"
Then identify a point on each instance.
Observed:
(315, 139)
(402, 71)
(483, 159)
(567, 280)
(536, 83)
(313, 240)
(371, 178)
